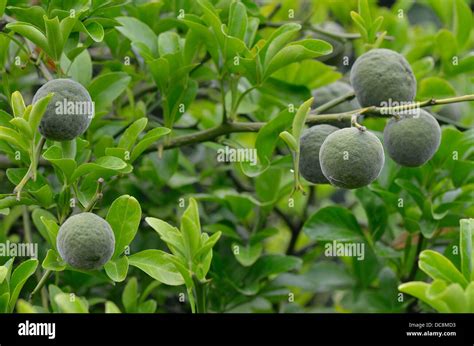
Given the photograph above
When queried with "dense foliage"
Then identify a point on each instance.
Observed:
(192, 157)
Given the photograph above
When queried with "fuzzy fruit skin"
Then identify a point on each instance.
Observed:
(63, 127)
(310, 144)
(86, 241)
(412, 139)
(351, 158)
(380, 75)
(330, 92)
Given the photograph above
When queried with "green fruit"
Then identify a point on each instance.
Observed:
(383, 77)
(86, 241)
(330, 92)
(70, 111)
(310, 144)
(451, 111)
(412, 139)
(351, 158)
(424, 16)
(339, 49)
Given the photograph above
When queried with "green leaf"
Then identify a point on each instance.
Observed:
(147, 141)
(117, 268)
(268, 135)
(130, 136)
(53, 261)
(462, 22)
(439, 267)
(18, 279)
(289, 140)
(23, 126)
(419, 290)
(4, 299)
(435, 87)
(105, 88)
(13, 137)
(361, 25)
(247, 254)
(3, 4)
(111, 308)
(277, 40)
(105, 164)
(158, 265)
(297, 51)
(52, 229)
(364, 11)
(95, 30)
(31, 33)
(168, 43)
(237, 20)
(54, 155)
(137, 31)
(18, 104)
(38, 110)
(124, 216)
(423, 66)
(170, 235)
(447, 47)
(465, 244)
(71, 304)
(300, 118)
(130, 296)
(55, 39)
(333, 224)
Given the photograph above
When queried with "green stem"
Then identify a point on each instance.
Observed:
(29, 239)
(69, 149)
(227, 128)
(200, 292)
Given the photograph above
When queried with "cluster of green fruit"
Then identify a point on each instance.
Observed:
(85, 241)
(353, 157)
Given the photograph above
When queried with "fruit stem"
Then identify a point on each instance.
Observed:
(355, 124)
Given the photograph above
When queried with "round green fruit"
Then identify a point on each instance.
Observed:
(330, 92)
(310, 144)
(351, 158)
(70, 111)
(412, 139)
(451, 111)
(86, 241)
(339, 49)
(383, 77)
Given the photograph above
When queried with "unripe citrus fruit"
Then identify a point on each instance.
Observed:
(339, 48)
(351, 158)
(86, 241)
(70, 111)
(412, 139)
(381, 76)
(330, 92)
(451, 111)
(310, 144)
